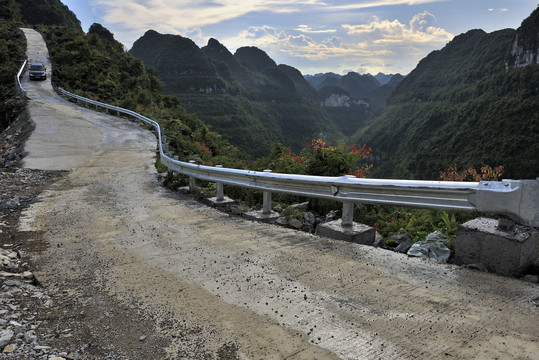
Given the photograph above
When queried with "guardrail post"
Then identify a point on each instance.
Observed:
(192, 179)
(220, 190)
(348, 214)
(266, 200)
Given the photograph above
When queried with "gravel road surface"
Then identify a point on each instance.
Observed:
(149, 273)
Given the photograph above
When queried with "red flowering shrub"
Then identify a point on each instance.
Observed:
(487, 173)
(319, 158)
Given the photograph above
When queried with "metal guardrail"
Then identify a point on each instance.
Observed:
(18, 79)
(517, 199)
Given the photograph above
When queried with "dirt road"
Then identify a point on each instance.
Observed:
(182, 280)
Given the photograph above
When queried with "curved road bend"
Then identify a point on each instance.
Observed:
(273, 292)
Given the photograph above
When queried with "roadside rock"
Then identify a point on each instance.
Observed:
(295, 223)
(310, 218)
(403, 241)
(5, 337)
(330, 216)
(300, 207)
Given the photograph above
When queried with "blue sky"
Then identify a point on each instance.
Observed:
(314, 36)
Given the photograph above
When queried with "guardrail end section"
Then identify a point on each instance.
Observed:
(529, 207)
(518, 199)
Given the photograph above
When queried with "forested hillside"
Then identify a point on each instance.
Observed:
(47, 12)
(12, 54)
(461, 105)
(245, 96)
(351, 99)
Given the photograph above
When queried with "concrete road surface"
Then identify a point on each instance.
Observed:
(206, 279)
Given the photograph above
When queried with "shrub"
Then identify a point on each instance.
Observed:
(319, 158)
(486, 173)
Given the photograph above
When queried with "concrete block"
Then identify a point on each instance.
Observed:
(503, 250)
(260, 216)
(219, 203)
(357, 233)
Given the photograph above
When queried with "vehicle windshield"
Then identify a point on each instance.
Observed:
(36, 67)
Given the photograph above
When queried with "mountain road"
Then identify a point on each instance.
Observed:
(151, 273)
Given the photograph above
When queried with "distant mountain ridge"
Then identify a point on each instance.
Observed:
(463, 105)
(365, 87)
(351, 99)
(245, 96)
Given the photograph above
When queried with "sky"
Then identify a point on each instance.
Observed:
(314, 36)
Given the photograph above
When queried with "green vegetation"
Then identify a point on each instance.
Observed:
(319, 158)
(246, 97)
(349, 119)
(12, 55)
(47, 12)
(416, 223)
(460, 106)
(290, 213)
(11, 58)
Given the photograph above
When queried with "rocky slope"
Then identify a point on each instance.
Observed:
(525, 46)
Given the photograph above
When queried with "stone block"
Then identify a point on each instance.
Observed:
(506, 251)
(357, 233)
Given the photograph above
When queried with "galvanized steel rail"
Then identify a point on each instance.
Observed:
(517, 199)
(18, 79)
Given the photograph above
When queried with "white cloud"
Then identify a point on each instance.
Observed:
(183, 15)
(421, 30)
(309, 30)
(377, 44)
(501, 10)
(377, 3)
(187, 14)
(299, 46)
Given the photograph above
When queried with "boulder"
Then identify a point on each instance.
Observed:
(295, 223)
